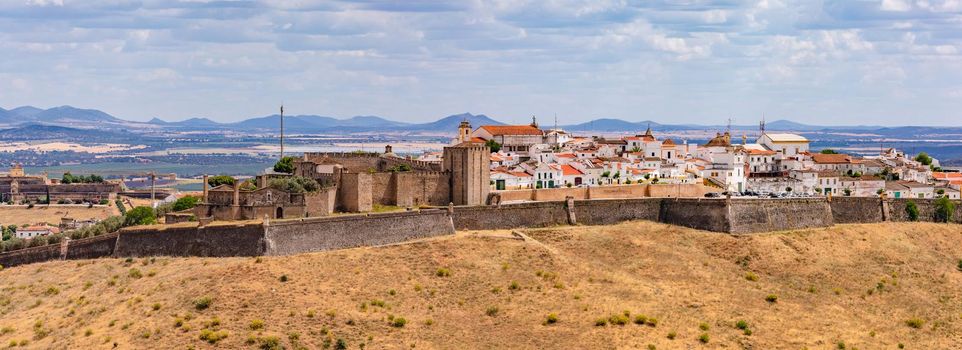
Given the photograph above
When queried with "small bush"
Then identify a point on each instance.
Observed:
(135, 273)
(944, 208)
(652, 322)
(212, 336)
(912, 210)
(51, 291)
(959, 266)
(741, 324)
(703, 326)
(552, 318)
(915, 323)
(640, 319)
(672, 335)
(771, 298)
(283, 278)
(514, 285)
(88, 332)
(601, 322)
(155, 306)
(618, 319)
(443, 272)
(398, 322)
(271, 343)
(491, 311)
(257, 325)
(704, 338)
(751, 276)
(202, 303)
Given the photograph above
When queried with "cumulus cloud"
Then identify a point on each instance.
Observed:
(421, 59)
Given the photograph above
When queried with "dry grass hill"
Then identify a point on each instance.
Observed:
(628, 286)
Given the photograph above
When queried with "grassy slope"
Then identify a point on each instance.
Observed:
(682, 277)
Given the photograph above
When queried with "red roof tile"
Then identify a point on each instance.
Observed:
(499, 130)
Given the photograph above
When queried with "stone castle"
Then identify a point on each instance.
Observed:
(357, 182)
(363, 180)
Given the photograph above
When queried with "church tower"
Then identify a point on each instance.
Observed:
(464, 131)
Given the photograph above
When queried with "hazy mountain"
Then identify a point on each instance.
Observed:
(452, 122)
(52, 132)
(26, 111)
(64, 113)
(368, 121)
(612, 124)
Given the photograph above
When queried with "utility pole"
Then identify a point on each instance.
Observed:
(282, 131)
(153, 202)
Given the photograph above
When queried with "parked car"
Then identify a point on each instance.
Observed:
(712, 195)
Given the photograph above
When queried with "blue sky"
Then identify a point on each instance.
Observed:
(826, 62)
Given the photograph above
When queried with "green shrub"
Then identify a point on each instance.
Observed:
(652, 322)
(399, 322)
(704, 338)
(751, 276)
(703, 326)
(257, 325)
(340, 344)
(672, 335)
(640, 319)
(552, 318)
(601, 322)
(491, 311)
(771, 298)
(296, 184)
(915, 322)
(211, 336)
(271, 343)
(912, 210)
(944, 208)
(959, 266)
(202, 303)
(186, 202)
(134, 273)
(618, 319)
(285, 165)
(283, 278)
(514, 285)
(218, 180)
(741, 324)
(443, 272)
(140, 216)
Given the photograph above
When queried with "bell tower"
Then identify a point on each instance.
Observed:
(464, 131)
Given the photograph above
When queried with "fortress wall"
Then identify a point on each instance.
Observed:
(423, 188)
(702, 214)
(320, 234)
(30, 255)
(679, 190)
(611, 211)
(534, 214)
(559, 194)
(219, 239)
(91, 248)
(846, 210)
(753, 215)
(617, 191)
(926, 209)
(383, 189)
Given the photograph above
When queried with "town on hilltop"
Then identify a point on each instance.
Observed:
(774, 165)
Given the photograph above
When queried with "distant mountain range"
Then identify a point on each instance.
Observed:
(71, 117)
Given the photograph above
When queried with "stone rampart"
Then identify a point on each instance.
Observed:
(703, 214)
(754, 215)
(508, 216)
(611, 211)
(898, 212)
(221, 239)
(91, 248)
(30, 255)
(320, 234)
(847, 210)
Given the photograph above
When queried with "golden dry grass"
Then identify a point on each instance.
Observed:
(20, 214)
(857, 284)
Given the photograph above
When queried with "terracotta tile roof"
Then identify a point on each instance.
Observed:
(668, 142)
(520, 174)
(831, 158)
(565, 155)
(570, 170)
(941, 175)
(500, 130)
(759, 152)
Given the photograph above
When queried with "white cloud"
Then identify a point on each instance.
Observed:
(896, 5)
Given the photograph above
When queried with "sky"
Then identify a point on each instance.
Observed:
(888, 62)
